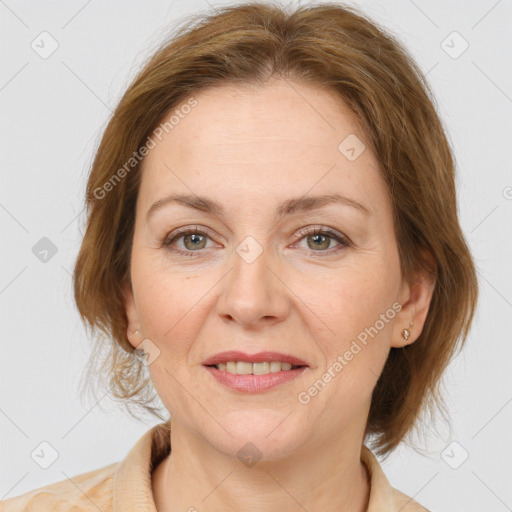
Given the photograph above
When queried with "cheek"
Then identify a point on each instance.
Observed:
(358, 307)
(168, 306)
(357, 349)
(172, 313)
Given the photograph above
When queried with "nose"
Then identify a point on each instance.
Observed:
(253, 294)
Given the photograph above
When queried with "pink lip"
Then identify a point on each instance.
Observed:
(260, 357)
(254, 383)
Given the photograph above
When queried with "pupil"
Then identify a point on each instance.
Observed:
(317, 238)
(195, 239)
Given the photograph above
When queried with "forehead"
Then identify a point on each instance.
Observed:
(282, 139)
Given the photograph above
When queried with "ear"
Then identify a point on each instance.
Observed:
(415, 299)
(133, 327)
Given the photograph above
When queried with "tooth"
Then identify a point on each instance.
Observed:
(231, 367)
(275, 366)
(246, 368)
(260, 368)
(243, 368)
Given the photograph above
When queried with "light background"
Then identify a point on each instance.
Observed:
(52, 112)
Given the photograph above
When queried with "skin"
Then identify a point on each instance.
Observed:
(251, 149)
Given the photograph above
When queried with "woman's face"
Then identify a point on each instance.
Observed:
(256, 277)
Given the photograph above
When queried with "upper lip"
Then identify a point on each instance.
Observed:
(260, 357)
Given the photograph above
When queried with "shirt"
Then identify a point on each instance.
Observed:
(126, 486)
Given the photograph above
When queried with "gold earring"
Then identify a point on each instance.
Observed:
(406, 333)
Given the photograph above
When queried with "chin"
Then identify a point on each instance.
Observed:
(257, 435)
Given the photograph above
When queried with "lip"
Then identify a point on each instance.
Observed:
(254, 383)
(260, 357)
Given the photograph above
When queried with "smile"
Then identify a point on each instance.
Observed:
(249, 382)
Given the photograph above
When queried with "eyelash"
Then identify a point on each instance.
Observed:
(343, 241)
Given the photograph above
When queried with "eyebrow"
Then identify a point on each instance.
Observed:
(288, 207)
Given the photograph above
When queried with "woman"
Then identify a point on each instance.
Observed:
(273, 235)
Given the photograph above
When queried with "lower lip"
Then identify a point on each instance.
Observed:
(255, 383)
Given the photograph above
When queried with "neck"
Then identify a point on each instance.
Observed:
(319, 476)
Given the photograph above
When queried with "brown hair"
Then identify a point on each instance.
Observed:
(329, 46)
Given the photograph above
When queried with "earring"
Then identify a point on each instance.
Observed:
(406, 333)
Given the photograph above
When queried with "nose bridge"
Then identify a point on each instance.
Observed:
(252, 291)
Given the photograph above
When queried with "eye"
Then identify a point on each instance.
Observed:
(319, 239)
(194, 239)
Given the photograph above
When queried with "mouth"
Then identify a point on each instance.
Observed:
(261, 363)
(254, 373)
(248, 368)
(254, 383)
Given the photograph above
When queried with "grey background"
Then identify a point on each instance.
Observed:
(52, 112)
